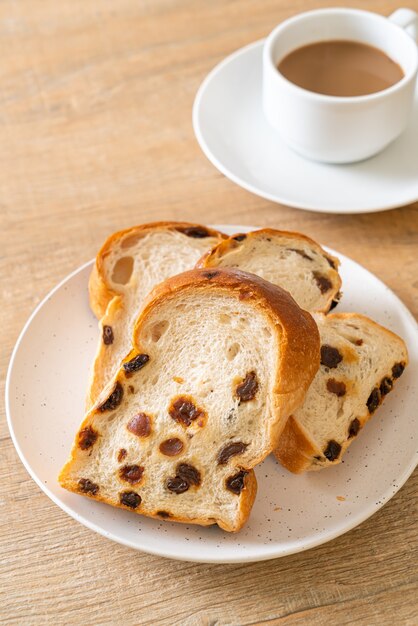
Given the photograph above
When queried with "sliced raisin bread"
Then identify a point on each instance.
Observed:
(128, 266)
(360, 361)
(219, 360)
(290, 260)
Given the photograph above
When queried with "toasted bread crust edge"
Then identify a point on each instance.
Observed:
(100, 292)
(296, 450)
(299, 363)
(210, 258)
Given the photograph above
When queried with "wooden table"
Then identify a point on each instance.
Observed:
(95, 114)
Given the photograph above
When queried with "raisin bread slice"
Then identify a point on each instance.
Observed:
(219, 360)
(360, 361)
(290, 260)
(128, 266)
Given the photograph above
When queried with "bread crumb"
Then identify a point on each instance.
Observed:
(178, 379)
(341, 498)
(278, 508)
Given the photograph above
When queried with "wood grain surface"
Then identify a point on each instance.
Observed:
(95, 120)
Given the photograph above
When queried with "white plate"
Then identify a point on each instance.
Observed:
(230, 127)
(45, 394)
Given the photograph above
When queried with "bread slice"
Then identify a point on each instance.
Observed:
(219, 360)
(128, 266)
(290, 260)
(360, 362)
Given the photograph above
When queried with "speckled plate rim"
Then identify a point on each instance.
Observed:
(264, 553)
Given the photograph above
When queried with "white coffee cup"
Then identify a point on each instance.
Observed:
(340, 129)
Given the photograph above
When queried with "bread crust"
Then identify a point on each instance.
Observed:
(100, 291)
(298, 365)
(368, 320)
(211, 258)
(296, 450)
(97, 375)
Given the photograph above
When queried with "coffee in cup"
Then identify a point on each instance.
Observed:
(340, 68)
(346, 118)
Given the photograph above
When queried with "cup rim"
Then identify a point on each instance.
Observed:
(275, 33)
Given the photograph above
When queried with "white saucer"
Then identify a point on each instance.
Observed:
(230, 127)
(45, 393)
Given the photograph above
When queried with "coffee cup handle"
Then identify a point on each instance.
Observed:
(407, 19)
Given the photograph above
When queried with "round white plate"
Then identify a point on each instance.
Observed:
(230, 127)
(45, 393)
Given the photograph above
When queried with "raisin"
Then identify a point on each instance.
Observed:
(87, 437)
(184, 411)
(247, 389)
(130, 499)
(337, 387)
(359, 342)
(189, 474)
(398, 369)
(236, 482)
(332, 451)
(107, 335)
(86, 486)
(131, 473)
(330, 357)
(210, 275)
(140, 425)
(171, 447)
(239, 237)
(331, 262)
(122, 454)
(353, 428)
(163, 514)
(177, 484)
(386, 385)
(113, 400)
(301, 253)
(231, 449)
(323, 282)
(197, 232)
(373, 400)
(136, 363)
